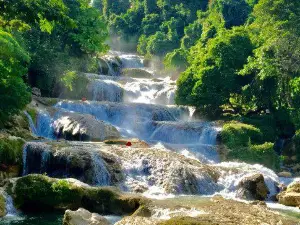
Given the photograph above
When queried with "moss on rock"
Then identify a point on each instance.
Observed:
(188, 221)
(11, 149)
(2, 205)
(41, 193)
(33, 113)
(136, 73)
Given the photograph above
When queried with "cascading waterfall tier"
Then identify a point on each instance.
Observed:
(80, 162)
(153, 171)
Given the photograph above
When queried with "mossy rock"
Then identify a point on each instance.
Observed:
(42, 193)
(2, 205)
(136, 73)
(142, 211)
(235, 134)
(11, 150)
(189, 221)
(33, 113)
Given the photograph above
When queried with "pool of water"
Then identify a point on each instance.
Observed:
(54, 218)
(28, 219)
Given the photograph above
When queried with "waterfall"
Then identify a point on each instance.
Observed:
(234, 172)
(24, 154)
(106, 90)
(31, 124)
(130, 60)
(45, 125)
(157, 91)
(9, 206)
(58, 161)
(101, 174)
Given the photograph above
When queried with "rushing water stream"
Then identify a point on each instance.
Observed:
(141, 108)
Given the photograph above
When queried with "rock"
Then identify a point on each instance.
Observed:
(80, 161)
(202, 211)
(83, 127)
(290, 197)
(134, 143)
(41, 193)
(285, 174)
(83, 217)
(143, 211)
(296, 168)
(136, 73)
(2, 204)
(253, 188)
(36, 92)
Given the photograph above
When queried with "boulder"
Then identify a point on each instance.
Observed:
(136, 73)
(72, 159)
(253, 188)
(83, 127)
(36, 193)
(36, 92)
(290, 197)
(285, 174)
(83, 217)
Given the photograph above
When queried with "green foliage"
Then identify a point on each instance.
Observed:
(235, 12)
(235, 135)
(61, 34)
(263, 154)
(246, 143)
(74, 85)
(176, 60)
(14, 93)
(213, 72)
(11, 151)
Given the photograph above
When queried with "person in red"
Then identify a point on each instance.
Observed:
(128, 144)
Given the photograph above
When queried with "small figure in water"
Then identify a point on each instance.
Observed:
(128, 144)
(83, 99)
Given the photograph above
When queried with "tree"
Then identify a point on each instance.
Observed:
(14, 93)
(214, 71)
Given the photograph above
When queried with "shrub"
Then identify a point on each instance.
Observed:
(236, 134)
(263, 154)
(11, 150)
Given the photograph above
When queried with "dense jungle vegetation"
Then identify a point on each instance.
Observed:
(40, 41)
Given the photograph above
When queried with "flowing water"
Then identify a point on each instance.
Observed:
(143, 108)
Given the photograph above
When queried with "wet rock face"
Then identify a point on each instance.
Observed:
(82, 127)
(290, 197)
(83, 217)
(61, 160)
(253, 188)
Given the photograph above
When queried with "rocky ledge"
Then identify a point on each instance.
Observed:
(291, 196)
